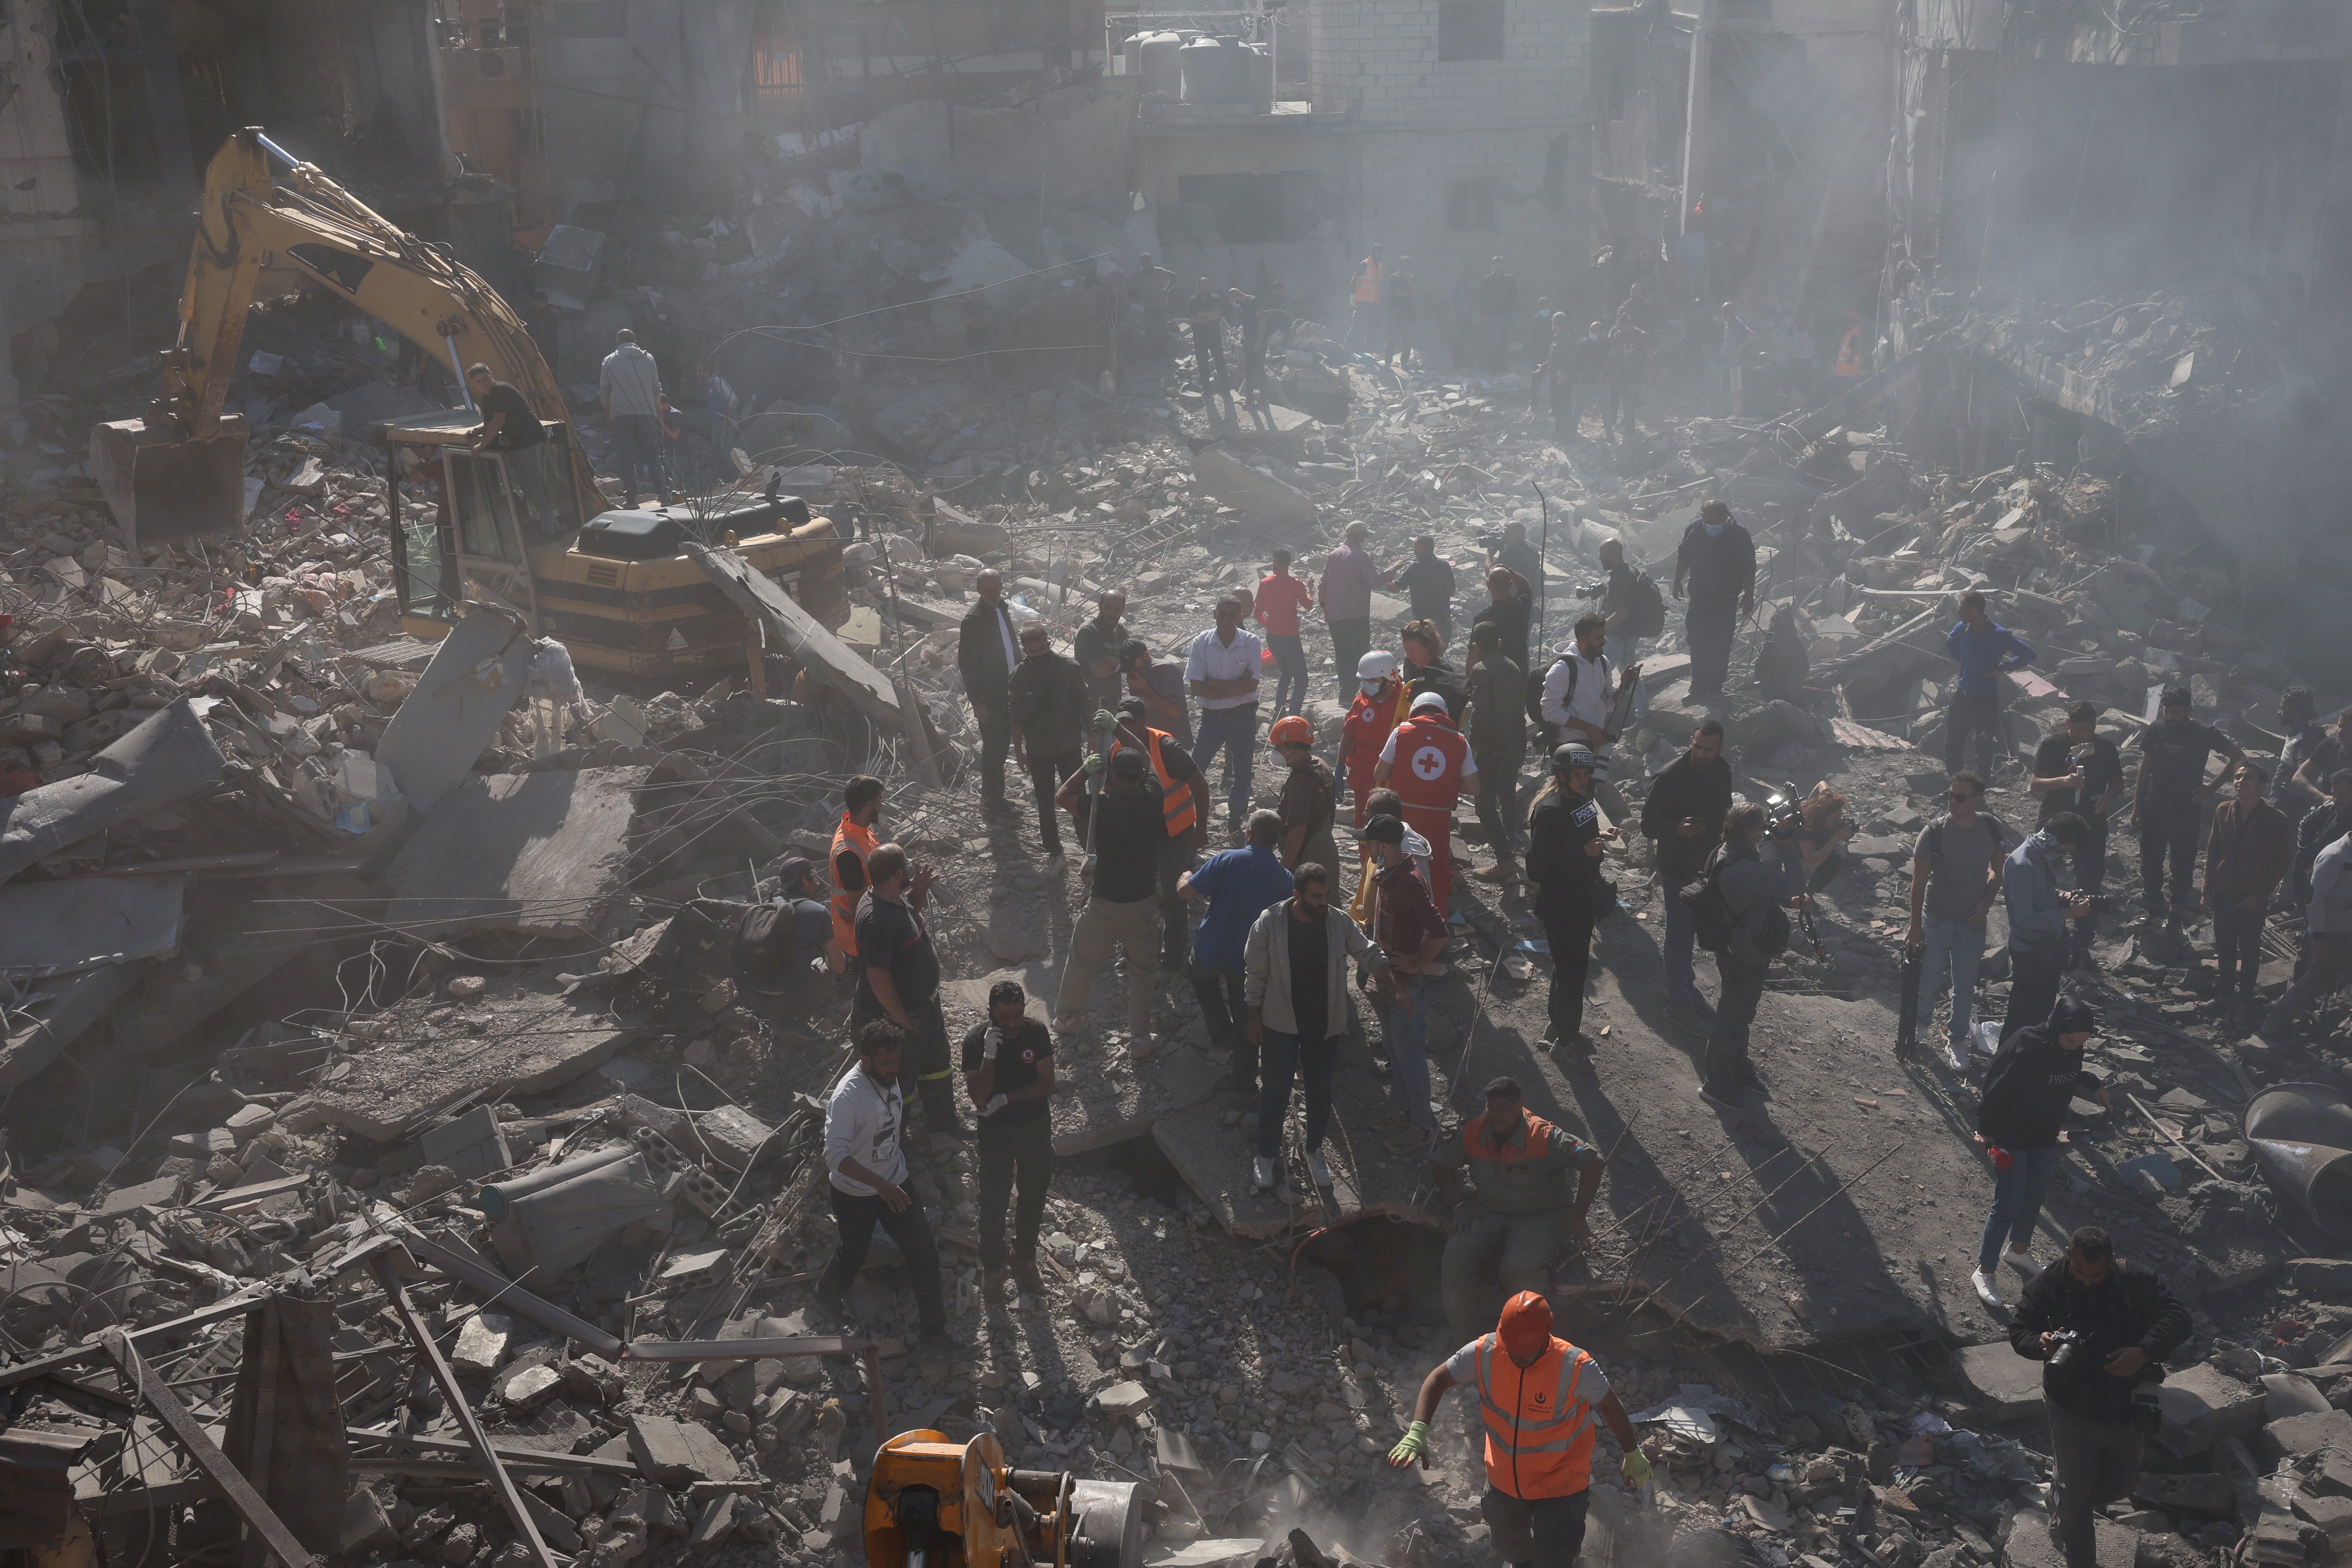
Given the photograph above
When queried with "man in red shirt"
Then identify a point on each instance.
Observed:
(1409, 929)
(1427, 761)
(1280, 598)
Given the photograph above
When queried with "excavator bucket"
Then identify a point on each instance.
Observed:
(160, 489)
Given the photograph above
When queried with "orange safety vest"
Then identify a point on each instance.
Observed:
(1368, 283)
(1427, 771)
(1175, 799)
(1849, 359)
(860, 842)
(1478, 1146)
(1540, 1428)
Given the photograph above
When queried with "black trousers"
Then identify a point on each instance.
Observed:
(1209, 356)
(2168, 827)
(1972, 713)
(1351, 638)
(1726, 1066)
(2238, 949)
(1564, 416)
(1021, 1155)
(2033, 978)
(995, 744)
(1571, 961)
(1498, 805)
(1175, 918)
(2090, 876)
(856, 1218)
(1226, 1015)
(1045, 776)
(1709, 627)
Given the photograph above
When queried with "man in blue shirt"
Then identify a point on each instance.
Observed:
(1983, 649)
(1239, 885)
(2039, 943)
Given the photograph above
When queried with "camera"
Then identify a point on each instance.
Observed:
(1590, 590)
(2070, 1344)
(1783, 821)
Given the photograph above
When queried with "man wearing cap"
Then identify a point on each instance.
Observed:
(1350, 577)
(1047, 697)
(1519, 1212)
(2036, 1072)
(1222, 674)
(1426, 759)
(1310, 797)
(1540, 1397)
(1182, 792)
(1409, 929)
(1565, 843)
(985, 656)
(1122, 911)
(1158, 685)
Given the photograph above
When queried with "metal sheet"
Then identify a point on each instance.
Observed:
(476, 675)
(168, 758)
(58, 928)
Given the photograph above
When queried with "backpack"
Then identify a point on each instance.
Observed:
(1711, 917)
(1649, 609)
(765, 943)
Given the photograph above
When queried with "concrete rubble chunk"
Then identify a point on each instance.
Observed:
(540, 853)
(676, 1453)
(2303, 1437)
(2203, 1404)
(1258, 495)
(482, 1341)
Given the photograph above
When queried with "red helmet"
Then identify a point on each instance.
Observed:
(1292, 731)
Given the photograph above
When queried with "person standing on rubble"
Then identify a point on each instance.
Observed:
(1718, 559)
(1222, 673)
(1565, 843)
(865, 1171)
(1096, 646)
(1364, 301)
(1411, 931)
(1403, 303)
(1153, 290)
(1183, 792)
(1752, 895)
(2168, 795)
(2328, 927)
(1461, 313)
(2299, 719)
(1238, 885)
(1427, 760)
(1008, 1071)
(1204, 312)
(1581, 691)
(1498, 303)
(1281, 598)
(1682, 816)
(630, 386)
(1295, 962)
(1853, 355)
(2032, 1077)
(1518, 1212)
(2317, 830)
(985, 658)
(1511, 611)
(2327, 753)
(1310, 796)
(2038, 944)
(1955, 877)
(1543, 1401)
(898, 976)
(1635, 611)
(1380, 705)
(1427, 578)
(1349, 579)
(1985, 651)
(2078, 769)
(1735, 339)
(1159, 684)
(1047, 699)
(1512, 551)
(1580, 383)
(978, 335)
(1497, 723)
(511, 430)
(2251, 848)
(2124, 1322)
(854, 842)
(1122, 911)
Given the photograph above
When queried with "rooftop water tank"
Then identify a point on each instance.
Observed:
(1156, 55)
(1257, 73)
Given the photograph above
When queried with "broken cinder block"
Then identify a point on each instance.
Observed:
(676, 1453)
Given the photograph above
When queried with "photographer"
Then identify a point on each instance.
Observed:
(1811, 838)
(2101, 1327)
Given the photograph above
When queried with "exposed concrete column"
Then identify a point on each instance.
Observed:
(1694, 111)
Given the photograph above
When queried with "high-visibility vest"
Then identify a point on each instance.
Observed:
(1175, 799)
(1849, 360)
(1427, 766)
(1487, 1153)
(1368, 283)
(1540, 1429)
(848, 838)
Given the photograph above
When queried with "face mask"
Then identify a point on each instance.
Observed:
(1714, 530)
(1372, 687)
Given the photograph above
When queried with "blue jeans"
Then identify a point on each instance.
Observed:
(1407, 1043)
(1235, 730)
(1959, 947)
(1623, 653)
(2017, 1195)
(1286, 1056)
(1290, 673)
(1682, 936)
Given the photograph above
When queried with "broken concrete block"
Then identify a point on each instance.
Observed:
(472, 1145)
(249, 1121)
(2298, 1436)
(704, 1406)
(1260, 496)
(2329, 1278)
(2288, 1394)
(530, 1387)
(555, 1228)
(678, 1453)
(2202, 1495)
(592, 1377)
(2203, 1404)
(367, 1529)
(715, 1523)
(554, 1529)
(482, 1343)
(1121, 1402)
(730, 1135)
(203, 1145)
(2000, 1380)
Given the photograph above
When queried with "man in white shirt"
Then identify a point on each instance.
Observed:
(868, 1172)
(1223, 676)
(630, 385)
(1578, 692)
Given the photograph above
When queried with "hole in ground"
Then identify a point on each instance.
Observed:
(1144, 1168)
(1386, 1268)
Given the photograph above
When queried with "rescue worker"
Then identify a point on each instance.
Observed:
(1852, 351)
(1437, 763)
(854, 842)
(1538, 1395)
(1180, 811)
(1310, 799)
(1380, 705)
(1519, 1212)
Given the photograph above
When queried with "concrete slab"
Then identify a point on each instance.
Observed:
(416, 1065)
(476, 675)
(1998, 1380)
(58, 928)
(1260, 495)
(2027, 1543)
(235, 935)
(545, 854)
(169, 757)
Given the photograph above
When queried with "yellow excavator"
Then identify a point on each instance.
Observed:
(614, 585)
(933, 1502)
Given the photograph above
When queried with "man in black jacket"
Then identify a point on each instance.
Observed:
(1683, 817)
(1717, 560)
(2321, 827)
(1565, 843)
(985, 657)
(2125, 1321)
(1051, 708)
(2037, 1072)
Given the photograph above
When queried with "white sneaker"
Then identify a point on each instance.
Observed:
(1262, 1174)
(1317, 1171)
(2025, 1263)
(1988, 1288)
(1956, 1056)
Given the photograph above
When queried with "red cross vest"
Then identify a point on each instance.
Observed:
(1426, 771)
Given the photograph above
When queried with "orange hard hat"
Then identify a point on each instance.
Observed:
(1524, 1327)
(1292, 731)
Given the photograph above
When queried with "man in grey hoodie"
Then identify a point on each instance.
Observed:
(1295, 984)
(2039, 945)
(1753, 893)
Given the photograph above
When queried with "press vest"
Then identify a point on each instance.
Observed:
(860, 842)
(1540, 1430)
(1175, 799)
(1426, 772)
(1849, 359)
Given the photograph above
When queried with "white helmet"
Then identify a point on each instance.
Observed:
(1377, 664)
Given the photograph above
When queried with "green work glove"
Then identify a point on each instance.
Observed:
(1414, 1444)
(1096, 764)
(1636, 1468)
(1106, 721)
